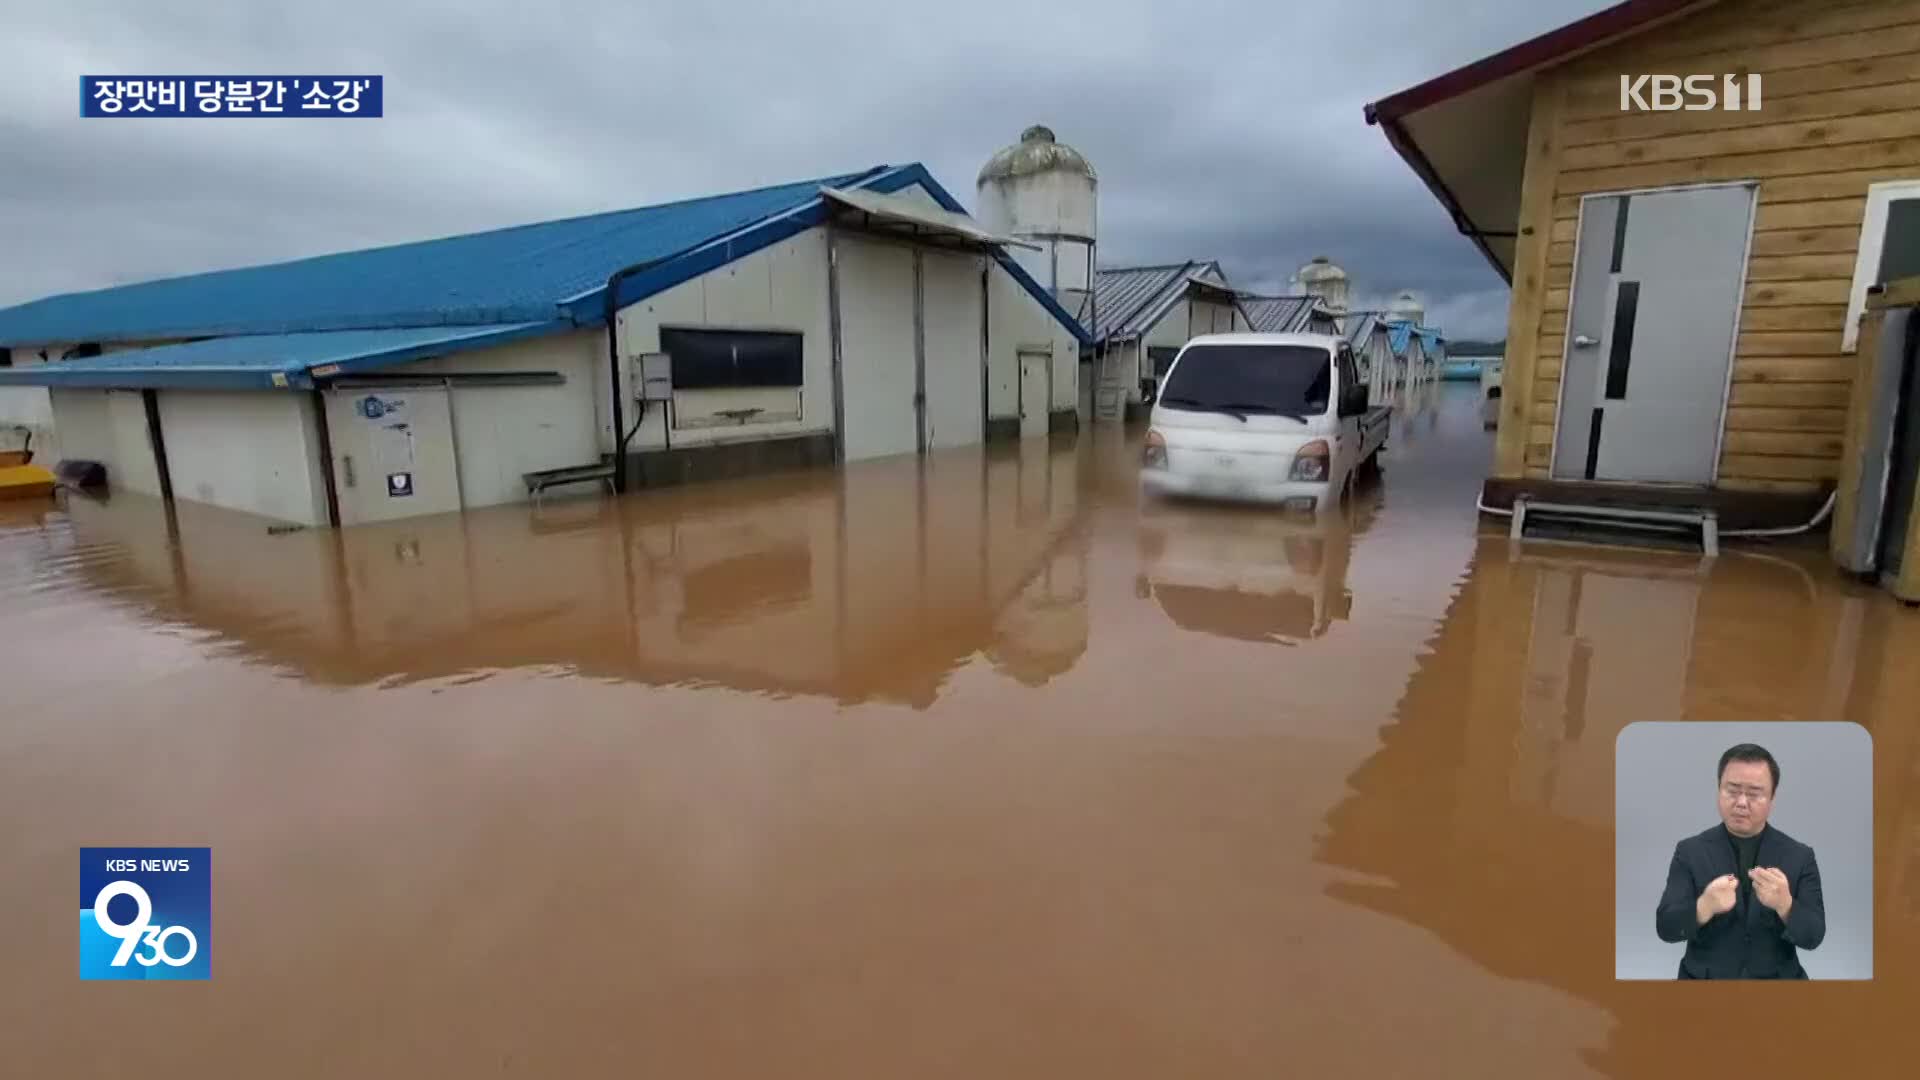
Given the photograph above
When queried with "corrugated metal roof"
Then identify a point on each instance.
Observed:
(519, 274)
(1401, 334)
(479, 287)
(260, 361)
(1398, 335)
(1129, 300)
(1360, 326)
(1278, 314)
(505, 275)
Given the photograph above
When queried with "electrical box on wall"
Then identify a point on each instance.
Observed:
(653, 377)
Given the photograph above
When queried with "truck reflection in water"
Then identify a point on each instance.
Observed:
(1250, 574)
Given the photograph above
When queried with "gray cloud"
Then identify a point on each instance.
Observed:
(1228, 130)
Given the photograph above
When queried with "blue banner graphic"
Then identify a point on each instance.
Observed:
(130, 96)
(145, 913)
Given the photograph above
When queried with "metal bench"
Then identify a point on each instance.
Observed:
(538, 482)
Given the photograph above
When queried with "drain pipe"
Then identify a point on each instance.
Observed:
(1790, 530)
(611, 311)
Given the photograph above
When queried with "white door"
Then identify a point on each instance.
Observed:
(392, 453)
(1036, 381)
(1657, 285)
(951, 298)
(877, 376)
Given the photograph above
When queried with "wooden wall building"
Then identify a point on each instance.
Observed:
(1526, 145)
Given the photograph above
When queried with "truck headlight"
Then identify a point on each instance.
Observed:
(1310, 464)
(1155, 455)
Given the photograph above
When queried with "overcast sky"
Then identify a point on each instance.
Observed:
(1227, 129)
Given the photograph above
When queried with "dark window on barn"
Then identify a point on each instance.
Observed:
(6, 357)
(1162, 360)
(81, 352)
(718, 359)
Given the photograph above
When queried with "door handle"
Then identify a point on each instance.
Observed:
(347, 460)
(1582, 341)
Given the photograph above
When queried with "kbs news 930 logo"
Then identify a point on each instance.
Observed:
(144, 913)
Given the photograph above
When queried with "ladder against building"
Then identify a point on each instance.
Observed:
(1110, 389)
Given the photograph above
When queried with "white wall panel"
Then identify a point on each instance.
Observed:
(951, 291)
(245, 450)
(781, 287)
(503, 432)
(877, 348)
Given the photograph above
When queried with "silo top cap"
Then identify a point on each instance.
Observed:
(1038, 151)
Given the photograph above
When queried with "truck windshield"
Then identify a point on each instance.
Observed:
(1273, 380)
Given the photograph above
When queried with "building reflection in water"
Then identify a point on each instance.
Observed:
(1486, 816)
(874, 583)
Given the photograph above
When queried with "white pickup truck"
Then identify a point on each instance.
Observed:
(1272, 418)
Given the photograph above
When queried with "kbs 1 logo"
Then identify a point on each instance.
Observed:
(1694, 93)
(144, 913)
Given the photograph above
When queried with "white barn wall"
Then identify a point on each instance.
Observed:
(251, 450)
(110, 427)
(32, 406)
(877, 326)
(1016, 321)
(1207, 317)
(952, 320)
(503, 432)
(85, 426)
(780, 287)
(29, 407)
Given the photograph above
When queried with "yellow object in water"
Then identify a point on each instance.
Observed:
(25, 482)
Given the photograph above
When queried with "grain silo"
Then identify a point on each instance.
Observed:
(1043, 192)
(1322, 279)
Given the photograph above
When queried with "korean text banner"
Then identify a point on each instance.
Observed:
(130, 96)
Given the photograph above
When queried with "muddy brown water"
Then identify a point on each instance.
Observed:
(972, 768)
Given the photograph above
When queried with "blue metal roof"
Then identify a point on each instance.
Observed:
(464, 291)
(268, 360)
(518, 274)
(1400, 335)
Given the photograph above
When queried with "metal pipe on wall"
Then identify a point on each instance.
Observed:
(325, 433)
(833, 333)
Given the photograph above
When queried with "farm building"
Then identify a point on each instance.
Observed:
(1417, 353)
(1287, 314)
(1686, 284)
(852, 316)
(1142, 316)
(1367, 333)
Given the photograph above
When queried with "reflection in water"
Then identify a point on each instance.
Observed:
(1486, 817)
(1253, 575)
(973, 766)
(806, 584)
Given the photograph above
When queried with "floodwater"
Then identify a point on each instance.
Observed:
(979, 768)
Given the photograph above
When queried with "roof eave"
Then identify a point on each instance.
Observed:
(1409, 151)
(1553, 47)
